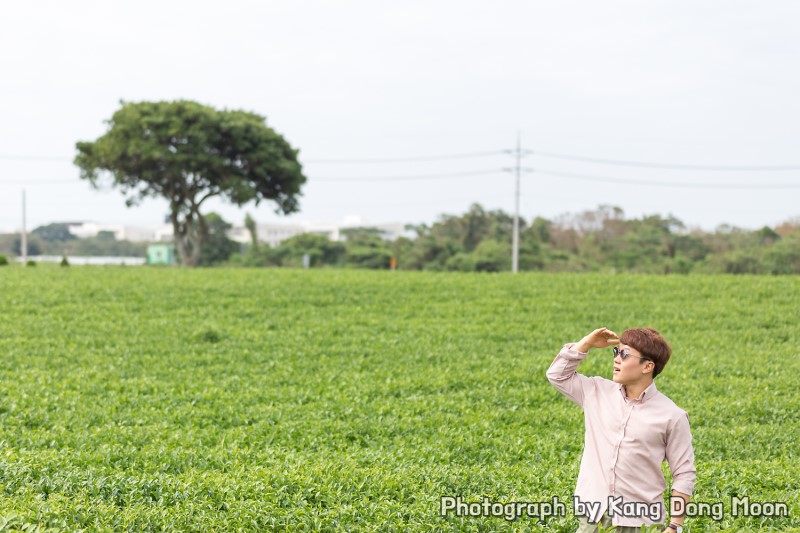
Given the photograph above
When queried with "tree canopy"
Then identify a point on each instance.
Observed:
(54, 232)
(187, 153)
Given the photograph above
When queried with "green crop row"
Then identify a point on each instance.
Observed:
(250, 400)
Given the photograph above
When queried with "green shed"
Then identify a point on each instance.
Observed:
(161, 254)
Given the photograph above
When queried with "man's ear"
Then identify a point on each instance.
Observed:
(652, 367)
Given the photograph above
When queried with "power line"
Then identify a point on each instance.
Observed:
(376, 179)
(485, 172)
(34, 158)
(327, 161)
(411, 159)
(678, 184)
(467, 155)
(493, 200)
(333, 179)
(671, 166)
(43, 182)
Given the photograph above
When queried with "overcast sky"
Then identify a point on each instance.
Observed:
(712, 83)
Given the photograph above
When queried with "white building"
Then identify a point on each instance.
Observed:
(272, 234)
(84, 230)
(164, 233)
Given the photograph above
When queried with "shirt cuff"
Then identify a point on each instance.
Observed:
(685, 487)
(567, 352)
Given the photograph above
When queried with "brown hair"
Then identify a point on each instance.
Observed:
(650, 344)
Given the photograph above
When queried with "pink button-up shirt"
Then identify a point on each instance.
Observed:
(626, 442)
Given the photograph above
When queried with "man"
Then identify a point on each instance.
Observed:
(630, 429)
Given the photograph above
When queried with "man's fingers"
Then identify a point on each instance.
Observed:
(603, 335)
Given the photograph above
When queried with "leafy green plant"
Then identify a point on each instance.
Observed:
(353, 400)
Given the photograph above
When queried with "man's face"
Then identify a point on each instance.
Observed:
(630, 369)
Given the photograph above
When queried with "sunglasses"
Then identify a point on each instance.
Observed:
(624, 354)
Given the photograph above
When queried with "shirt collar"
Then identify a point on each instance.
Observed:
(647, 393)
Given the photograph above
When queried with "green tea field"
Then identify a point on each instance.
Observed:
(146, 399)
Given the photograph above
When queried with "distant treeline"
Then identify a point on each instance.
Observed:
(55, 240)
(602, 240)
(594, 241)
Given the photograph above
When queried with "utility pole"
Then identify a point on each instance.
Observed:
(24, 241)
(518, 169)
(515, 244)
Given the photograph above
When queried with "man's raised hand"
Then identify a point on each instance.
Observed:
(599, 338)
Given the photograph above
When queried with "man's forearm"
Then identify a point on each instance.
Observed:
(582, 346)
(677, 513)
(562, 374)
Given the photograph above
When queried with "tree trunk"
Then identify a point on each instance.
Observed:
(189, 235)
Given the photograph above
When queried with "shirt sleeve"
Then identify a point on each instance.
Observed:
(680, 455)
(563, 376)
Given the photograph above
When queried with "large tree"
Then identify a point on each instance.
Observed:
(187, 153)
(54, 232)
